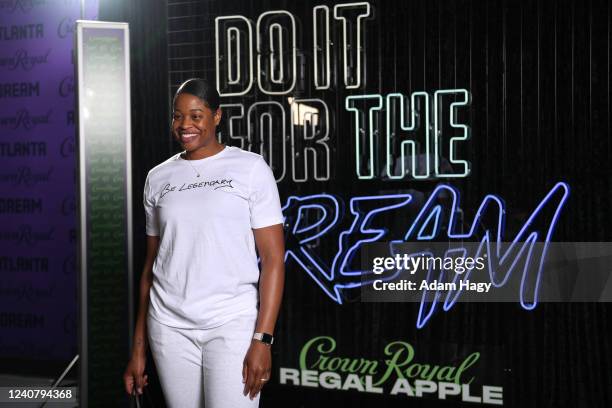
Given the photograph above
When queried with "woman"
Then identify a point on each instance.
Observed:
(209, 312)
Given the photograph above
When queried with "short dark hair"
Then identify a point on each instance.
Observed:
(202, 89)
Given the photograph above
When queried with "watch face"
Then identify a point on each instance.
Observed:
(267, 338)
(264, 337)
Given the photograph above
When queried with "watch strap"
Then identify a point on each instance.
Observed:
(264, 337)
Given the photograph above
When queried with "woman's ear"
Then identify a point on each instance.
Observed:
(217, 116)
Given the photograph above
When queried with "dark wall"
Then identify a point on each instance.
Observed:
(539, 76)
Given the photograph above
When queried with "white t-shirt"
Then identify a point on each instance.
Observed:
(206, 268)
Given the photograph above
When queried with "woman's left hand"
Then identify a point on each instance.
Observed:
(256, 368)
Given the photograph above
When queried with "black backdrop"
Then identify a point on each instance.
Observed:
(539, 77)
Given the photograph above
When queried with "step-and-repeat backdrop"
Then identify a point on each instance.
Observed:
(38, 281)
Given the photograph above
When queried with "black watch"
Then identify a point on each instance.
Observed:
(265, 338)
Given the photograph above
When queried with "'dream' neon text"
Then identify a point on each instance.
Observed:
(335, 275)
(394, 136)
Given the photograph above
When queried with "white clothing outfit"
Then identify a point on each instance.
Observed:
(206, 268)
(206, 273)
(203, 367)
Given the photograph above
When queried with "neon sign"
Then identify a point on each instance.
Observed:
(395, 136)
(365, 122)
(337, 275)
(398, 373)
(271, 44)
(239, 80)
(309, 130)
(270, 54)
(276, 36)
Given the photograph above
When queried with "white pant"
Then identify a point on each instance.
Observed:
(203, 367)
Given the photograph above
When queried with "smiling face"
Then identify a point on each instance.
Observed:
(194, 123)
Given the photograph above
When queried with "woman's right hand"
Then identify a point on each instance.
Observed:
(134, 377)
(134, 374)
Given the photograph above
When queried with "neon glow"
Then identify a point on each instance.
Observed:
(466, 99)
(310, 115)
(271, 49)
(358, 49)
(522, 244)
(262, 115)
(361, 123)
(323, 83)
(423, 137)
(228, 110)
(233, 34)
(416, 122)
(337, 275)
(276, 52)
(263, 130)
(420, 119)
(232, 86)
